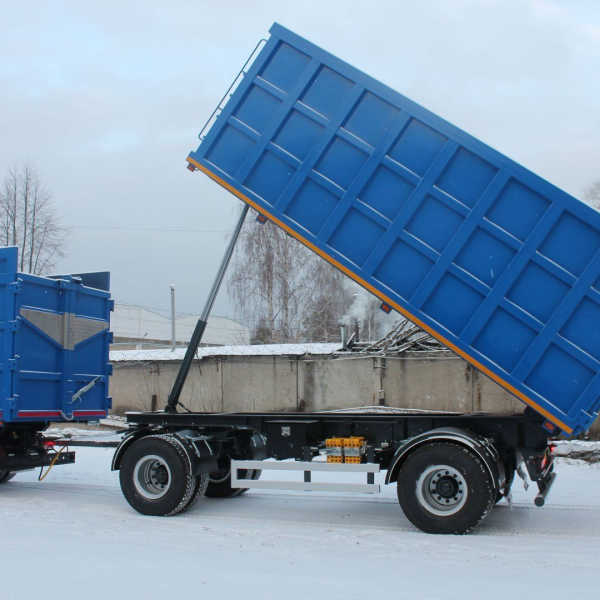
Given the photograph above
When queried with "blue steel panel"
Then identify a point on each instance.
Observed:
(497, 263)
(45, 332)
(8, 271)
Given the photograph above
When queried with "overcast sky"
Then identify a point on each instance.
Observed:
(107, 99)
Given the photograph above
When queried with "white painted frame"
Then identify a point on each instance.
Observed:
(306, 467)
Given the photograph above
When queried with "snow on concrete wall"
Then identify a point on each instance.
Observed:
(167, 355)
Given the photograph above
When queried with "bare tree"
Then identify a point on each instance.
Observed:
(261, 332)
(268, 283)
(286, 292)
(29, 220)
(591, 194)
(326, 306)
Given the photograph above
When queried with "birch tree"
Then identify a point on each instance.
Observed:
(328, 303)
(285, 292)
(29, 220)
(268, 283)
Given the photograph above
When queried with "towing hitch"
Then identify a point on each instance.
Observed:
(26, 462)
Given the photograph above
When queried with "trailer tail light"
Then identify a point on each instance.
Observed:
(386, 308)
(261, 219)
(548, 457)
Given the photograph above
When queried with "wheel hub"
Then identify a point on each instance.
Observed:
(152, 477)
(446, 487)
(442, 490)
(160, 475)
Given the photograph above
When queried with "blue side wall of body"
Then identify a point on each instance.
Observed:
(39, 375)
(496, 260)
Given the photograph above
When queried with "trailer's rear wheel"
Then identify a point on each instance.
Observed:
(219, 482)
(6, 476)
(156, 476)
(445, 488)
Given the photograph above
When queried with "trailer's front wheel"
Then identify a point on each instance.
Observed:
(445, 488)
(156, 476)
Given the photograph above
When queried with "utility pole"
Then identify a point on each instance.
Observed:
(173, 343)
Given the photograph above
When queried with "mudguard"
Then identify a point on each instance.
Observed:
(124, 445)
(481, 446)
(196, 446)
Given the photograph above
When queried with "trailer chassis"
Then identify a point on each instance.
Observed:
(459, 464)
(449, 469)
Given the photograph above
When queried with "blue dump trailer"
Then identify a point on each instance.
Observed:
(499, 265)
(54, 341)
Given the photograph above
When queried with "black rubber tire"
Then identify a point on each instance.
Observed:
(182, 482)
(479, 500)
(6, 476)
(219, 482)
(199, 491)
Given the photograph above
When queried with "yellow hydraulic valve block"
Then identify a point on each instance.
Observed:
(354, 449)
(335, 450)
(346, 450)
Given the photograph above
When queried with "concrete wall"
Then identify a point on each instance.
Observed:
(266, 383)
(277, 383)
(258, 383)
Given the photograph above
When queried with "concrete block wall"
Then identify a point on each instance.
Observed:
(258, 383)
(314, 383)
(269, 383)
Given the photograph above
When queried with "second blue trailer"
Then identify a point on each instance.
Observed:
(54, 360)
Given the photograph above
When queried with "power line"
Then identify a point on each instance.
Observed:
(150, 229)
(168, 311)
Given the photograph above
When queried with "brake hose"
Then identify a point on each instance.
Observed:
(42, 477)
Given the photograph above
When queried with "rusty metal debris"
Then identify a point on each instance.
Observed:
(403, 337)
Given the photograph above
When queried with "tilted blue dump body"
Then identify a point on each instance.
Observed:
(492, 260)
(54, 340)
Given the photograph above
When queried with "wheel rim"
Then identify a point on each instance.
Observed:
(152, 477)
(442, 490)
(221, 475)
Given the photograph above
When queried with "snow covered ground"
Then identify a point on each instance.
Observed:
(74, 536)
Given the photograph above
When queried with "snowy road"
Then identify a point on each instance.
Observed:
(74, 535)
